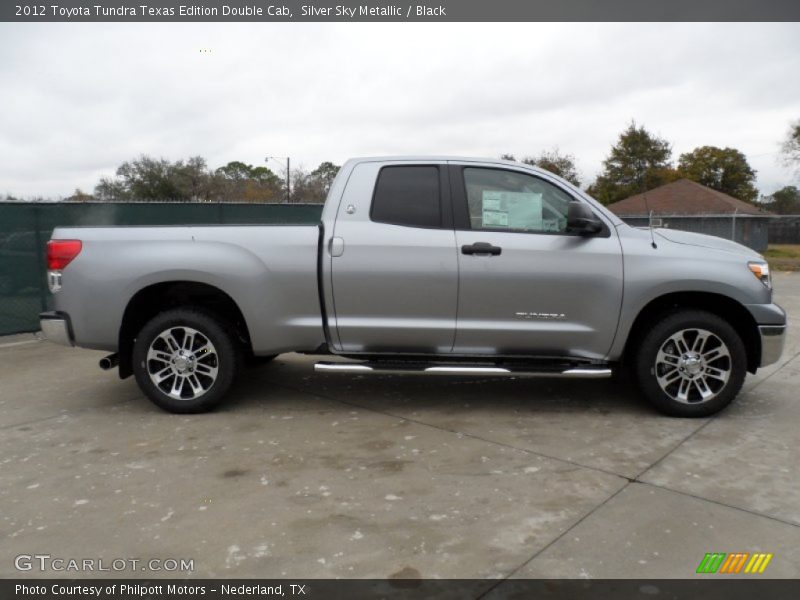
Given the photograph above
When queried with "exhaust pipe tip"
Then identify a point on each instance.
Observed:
(109, 362)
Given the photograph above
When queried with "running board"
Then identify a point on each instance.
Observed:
(586, 372)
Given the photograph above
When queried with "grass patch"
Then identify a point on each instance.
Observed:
(784, 257)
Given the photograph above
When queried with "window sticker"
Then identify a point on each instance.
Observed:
(495, 218)
(514, 210)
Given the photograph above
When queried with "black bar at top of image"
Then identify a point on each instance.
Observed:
(153, 11)
(405, 589)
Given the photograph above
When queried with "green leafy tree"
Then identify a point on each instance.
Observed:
(193, 180)
(235, 171)
(638, 162)
(722, 169)
(786, 201)
(147, 178)
(241, 182)
(324, 174)
(313, 187)
(554, 161)
(264, 176)
(150, 179)
(110, 190)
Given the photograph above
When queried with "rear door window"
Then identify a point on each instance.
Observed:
(408, 195)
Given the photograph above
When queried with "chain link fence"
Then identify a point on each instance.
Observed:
(784, 229)
(751, 230)
(26, 227)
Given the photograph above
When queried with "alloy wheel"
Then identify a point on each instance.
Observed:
(693, 366)
(182, 362)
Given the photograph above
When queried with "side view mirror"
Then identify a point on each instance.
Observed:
(581, 219)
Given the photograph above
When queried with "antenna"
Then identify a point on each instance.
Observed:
(649, 220)
(650, 225)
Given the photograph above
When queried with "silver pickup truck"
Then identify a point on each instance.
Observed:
(422, 265)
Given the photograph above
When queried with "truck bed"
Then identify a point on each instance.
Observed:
(270, 269)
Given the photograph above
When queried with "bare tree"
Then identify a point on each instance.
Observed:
(790, 149)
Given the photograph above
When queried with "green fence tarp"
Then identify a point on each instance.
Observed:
(26, 227)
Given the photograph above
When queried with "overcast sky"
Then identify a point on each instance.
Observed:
(78, 99)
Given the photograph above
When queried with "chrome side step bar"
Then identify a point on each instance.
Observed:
(586, 372)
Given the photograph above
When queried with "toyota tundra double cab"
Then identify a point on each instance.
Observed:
(424, 266)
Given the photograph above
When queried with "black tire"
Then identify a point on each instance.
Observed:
(713, 364)
(222, 360)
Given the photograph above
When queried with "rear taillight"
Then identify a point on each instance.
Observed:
(61, 252)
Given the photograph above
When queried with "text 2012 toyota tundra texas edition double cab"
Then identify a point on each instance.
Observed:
(422, 265)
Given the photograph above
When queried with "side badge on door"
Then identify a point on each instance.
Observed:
(541, 316)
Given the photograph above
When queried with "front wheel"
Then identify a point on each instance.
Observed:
(184, 360)
(691, 364)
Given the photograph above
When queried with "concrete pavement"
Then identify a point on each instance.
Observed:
(309, 475)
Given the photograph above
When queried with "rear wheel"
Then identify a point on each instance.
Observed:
(184, 360)
(691, 364)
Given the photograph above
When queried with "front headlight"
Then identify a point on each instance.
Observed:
(761, 271)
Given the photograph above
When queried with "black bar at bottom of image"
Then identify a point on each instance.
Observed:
(711, 588)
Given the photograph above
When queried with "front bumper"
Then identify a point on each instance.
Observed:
(57, 328)
(773, 338)
(771, 320)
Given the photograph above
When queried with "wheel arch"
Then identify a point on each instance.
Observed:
(161, 296)
(723, 306)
